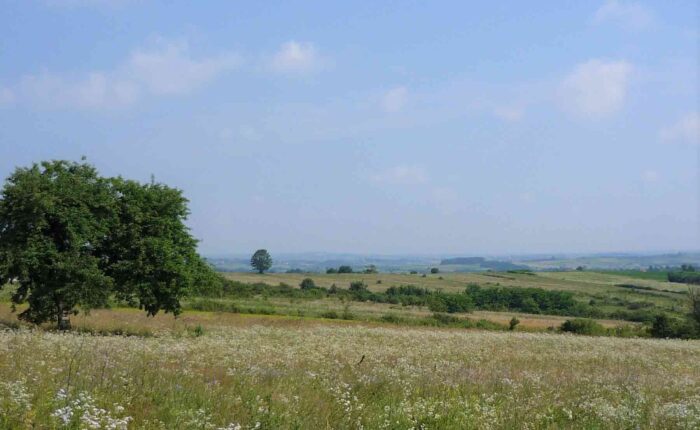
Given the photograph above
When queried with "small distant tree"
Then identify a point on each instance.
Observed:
(307, 284)
(331, 271)
(513, 323)
(344, 269)
(261, 260)
(358, 287)
(434, 270)
(371, 269)
(580, 269)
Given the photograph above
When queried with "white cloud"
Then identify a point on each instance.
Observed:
(395, 99)
(596, 87)
(296, 58)
(402, 175)
(6, 96)
(93, 91)
(632, 16)
(650, 176)
(509, 113)
(167, 69)
(685, 130)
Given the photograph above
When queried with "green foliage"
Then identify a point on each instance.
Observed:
(513, 323)
(371, 269)
(344, 269)
(331, 270)
(261, 261)
(434, 270)
(358, 287)
(307, 284)
(685, 277)
(70, 239)
(583, 326)
(54, 221)
(153, 257)
(666, 327)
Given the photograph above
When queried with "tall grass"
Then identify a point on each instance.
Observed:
(269, 373)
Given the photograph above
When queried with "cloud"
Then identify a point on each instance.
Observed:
(7, 97)
(395, 99)
(166, 69)
(650, 176)
(685, 130)
(169, 69)
(632, 16)
(296, 58)
(97, 90)
(402, 175)
(596, 87)
(510, 114)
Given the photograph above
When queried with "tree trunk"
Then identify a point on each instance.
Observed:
(62, 317)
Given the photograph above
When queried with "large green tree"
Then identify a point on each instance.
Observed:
(261, 260)
(71, 239)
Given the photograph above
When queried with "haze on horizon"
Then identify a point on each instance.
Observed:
(436, 128)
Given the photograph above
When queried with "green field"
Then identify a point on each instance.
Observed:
(604, 289)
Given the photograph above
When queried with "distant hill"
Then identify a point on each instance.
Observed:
(480, 263)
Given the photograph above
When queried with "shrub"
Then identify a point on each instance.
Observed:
(434, 270)
(445, 319)
(358, 287)
(333, 315)
(307, 284)
(583, 326)
(513, 323)
(391, 318)
(344, 269)
(331, 271)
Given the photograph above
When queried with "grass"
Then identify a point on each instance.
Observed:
(600, 287)
(274, 362)
(229, 371)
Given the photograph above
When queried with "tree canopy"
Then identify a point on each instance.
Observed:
(261, 260)
(71, 239)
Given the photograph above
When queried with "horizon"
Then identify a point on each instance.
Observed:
(504, 129)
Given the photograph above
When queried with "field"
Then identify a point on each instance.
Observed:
(611, 293)
(267, 372)
(284, 362)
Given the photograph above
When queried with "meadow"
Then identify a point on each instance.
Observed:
(292, 359)
(269, 372)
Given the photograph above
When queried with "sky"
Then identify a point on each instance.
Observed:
(374, 127)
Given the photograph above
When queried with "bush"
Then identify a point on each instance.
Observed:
(665, 327)
(686, 277)
(583, 326)
(344, 269)
(333, 315)
(307, 284)
(434, 270)
(358, 287)
(331, 271)
(445, 319)
(513, 323)
(391, 318)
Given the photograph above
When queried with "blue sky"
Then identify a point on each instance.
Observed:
(374, 127)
